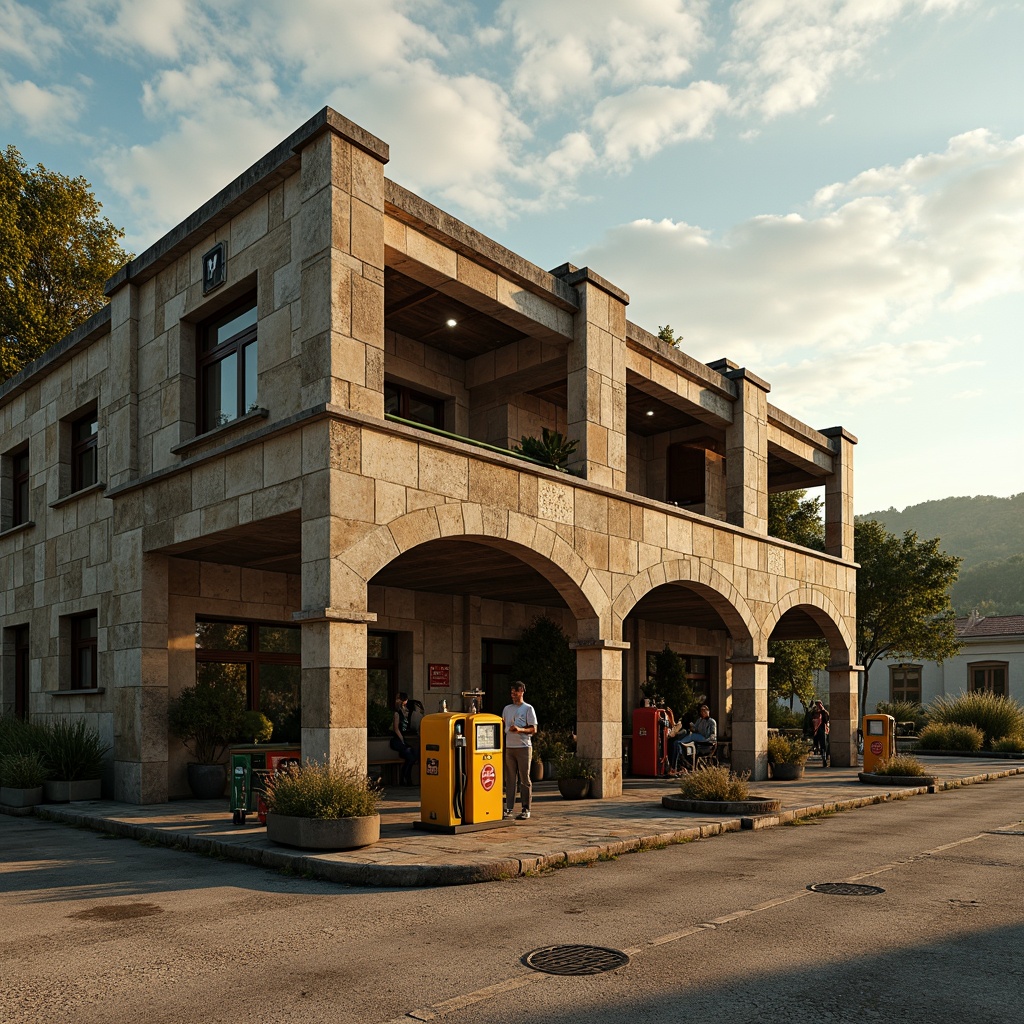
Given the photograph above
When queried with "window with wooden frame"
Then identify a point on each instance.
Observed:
(989, 677)
(381, 683)
(227, 370)
(263, 659)
(413, 405)
(84, 451)
(905, 683)
(19, 487)
(84, 646)
(21, 667)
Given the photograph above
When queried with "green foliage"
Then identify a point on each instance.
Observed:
(787, 750)
(792, 673)
(1009, 744)
(546, 664)
(949, 736)
(669, 336)
(550, 744)
(994, 716)
(781, 717)
(901, 764)
(794, 517)
(56, 252)
(714, 783)
(992, 588)
(903, 608)
(23, 770)
(570, 766)
(902, 710)
(379, 718)
(325, 790)
(552, 448)
(72, 751)
(256, 726)
(671, 685)
(18, 736)
(207, 717)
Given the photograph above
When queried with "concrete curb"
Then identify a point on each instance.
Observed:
(438, 875)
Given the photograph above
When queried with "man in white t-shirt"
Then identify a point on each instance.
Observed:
(520, 724)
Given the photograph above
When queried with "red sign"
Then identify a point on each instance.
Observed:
(487, 777)
(438, 677)
(876, 748)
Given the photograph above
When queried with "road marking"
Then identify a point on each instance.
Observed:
(436, 1010)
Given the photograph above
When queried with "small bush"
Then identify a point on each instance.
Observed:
(18, 736)
(966, 738)
(570, 766)
(994, 716)
(904, 711)
(787, 750)
(781, 717)
(72, 751)
(322, 790)
(22, 770)
(901, 764)
(1009, 744)
(714, 783)
(550, 745)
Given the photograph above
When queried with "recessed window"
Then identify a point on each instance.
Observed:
(381, 683)
(84, 451)
(21, 667)
(228, 366)
(687, 482)
(19, 488)
(905, 683)
(83, 651)
(413, 405)
(989, 677)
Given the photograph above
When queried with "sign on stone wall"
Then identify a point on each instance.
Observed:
(438, 677)
(215, 268)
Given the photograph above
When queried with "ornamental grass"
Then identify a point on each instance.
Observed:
(788, 750)
(995, 716)
(1009, 744)
(324, 790)
(714, 783)
(900, 764)
(965, 738)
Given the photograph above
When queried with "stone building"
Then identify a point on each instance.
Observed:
(281, 453)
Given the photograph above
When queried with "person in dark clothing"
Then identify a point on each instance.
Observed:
(401, 727)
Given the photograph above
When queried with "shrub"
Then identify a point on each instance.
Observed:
(994, 716)
(322, 790)
(22, 770)
(782, 717)
(72, 750)
(787, 750)
(1009, 744)
(901, 764)
(714, 783)
(550, 745)
(967, 738)
(18, 736)
(904, 711)
(570, 766)
(207, 717)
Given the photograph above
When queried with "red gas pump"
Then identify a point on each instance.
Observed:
(650, 742)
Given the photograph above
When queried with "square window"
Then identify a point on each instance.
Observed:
(228, 363)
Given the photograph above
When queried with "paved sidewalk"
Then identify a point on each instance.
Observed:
(560, 832)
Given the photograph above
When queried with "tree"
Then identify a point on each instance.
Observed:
(56, 251)
(903, 606)
(792, 673)
(545, 662)
(671, 684)
(794, 517)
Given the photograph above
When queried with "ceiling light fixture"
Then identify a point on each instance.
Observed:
(650, 412)
(451, 323)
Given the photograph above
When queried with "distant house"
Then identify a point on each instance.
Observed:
(991, 659)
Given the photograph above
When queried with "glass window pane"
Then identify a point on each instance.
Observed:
(84, 679)
(225, 672)
(423, 411)
(249, 361)
(280, 700)
(392, 400)
(378, 645)
(222, 636)
(238, 323)
(220, 392)
(280, 639)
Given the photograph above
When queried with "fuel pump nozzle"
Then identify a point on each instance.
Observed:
(459, 790)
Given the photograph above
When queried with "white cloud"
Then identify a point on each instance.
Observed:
(26, 35)
(156, 28)
(40, 109)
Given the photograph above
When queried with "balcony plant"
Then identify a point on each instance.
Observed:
(574, 775)
(323, 805)
(552, 448)
(206, 717)
(787, 756)
(74, 756)
(22, 776)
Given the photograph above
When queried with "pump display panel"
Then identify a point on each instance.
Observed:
(876, 728)
(488, 736)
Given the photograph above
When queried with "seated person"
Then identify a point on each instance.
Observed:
(703, 734)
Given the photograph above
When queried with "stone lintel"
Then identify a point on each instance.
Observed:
(750, 659)
(838, 432)
(598, 645)
(845, 668)
(334, 615)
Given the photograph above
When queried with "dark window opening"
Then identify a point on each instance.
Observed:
(83, 651)
(228, 366)
(413, 405)
(496, 673)
(686, 484)
(84, 451)
(381, 683)
(21, 667)
(989, 677)
(19, 488)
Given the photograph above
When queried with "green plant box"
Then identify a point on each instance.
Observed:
(323, 833)
(14, 796)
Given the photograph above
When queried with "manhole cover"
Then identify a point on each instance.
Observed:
(575, 959)
(845, 889)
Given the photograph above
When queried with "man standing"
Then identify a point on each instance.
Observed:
(520, 724)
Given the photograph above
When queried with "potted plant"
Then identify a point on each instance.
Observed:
(547, 748)
(552, 449)
(323, 806)
(574, 776)
(787, 756)
(74, 756)
(207, 717)
(900, 770)
(22, 776)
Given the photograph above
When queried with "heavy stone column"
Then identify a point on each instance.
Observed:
(839, 494)
(596, 381)
(843, 714)
(599, 711)
(746, 453)
(750, 715)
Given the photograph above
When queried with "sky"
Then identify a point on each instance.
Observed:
(829, 192)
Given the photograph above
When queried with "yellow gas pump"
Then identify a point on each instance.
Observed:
(460, 772)
(879, 740)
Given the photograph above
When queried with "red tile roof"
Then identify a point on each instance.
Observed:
(991, 625)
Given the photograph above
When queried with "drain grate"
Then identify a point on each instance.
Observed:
(575, 959)
(845, 889)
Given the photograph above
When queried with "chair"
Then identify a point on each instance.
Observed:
(707, 756)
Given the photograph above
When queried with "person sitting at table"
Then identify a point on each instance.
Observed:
(703, 735)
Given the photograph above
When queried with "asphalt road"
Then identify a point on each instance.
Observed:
(98, 929)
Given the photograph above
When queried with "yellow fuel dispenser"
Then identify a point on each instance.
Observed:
(879, 740)
(460, 772)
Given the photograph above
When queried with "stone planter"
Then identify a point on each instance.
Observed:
(752, 805)
(57, 791)
(900, 781)
(574, 789)
(207, 781)
(323, 833)
(787, 772)
(13, 796)
(536, 770)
